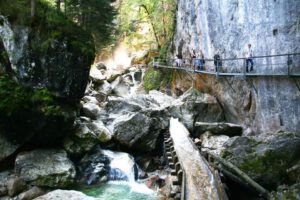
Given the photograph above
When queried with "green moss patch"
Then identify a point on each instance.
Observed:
(155, 79)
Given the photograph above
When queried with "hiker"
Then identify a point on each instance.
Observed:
(249, 58)
(178, 60)
(201, 61)
(193, 55)
(217, 61)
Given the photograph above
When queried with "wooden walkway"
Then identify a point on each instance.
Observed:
(199, 181)
(282, 65)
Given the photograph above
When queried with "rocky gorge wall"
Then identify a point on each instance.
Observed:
(227, 26)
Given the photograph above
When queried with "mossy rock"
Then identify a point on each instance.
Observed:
(152, 79)
(157, 78)
(286, 193)
(265, 158)
(34, 117)
(48, 50)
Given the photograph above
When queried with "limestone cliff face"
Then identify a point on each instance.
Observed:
(227, 26)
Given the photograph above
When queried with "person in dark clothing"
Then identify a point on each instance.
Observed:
(201, 61)
(217, 62)
(193, 55)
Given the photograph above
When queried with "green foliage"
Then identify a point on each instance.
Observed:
(159, 15)
(155, 79)
(15, 99)
(95, 16)
(49, 24)
(152, 79)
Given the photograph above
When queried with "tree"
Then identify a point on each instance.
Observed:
(159, 14)
(33, 9)
(95, 16)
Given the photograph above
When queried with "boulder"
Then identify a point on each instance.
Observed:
(266, 157)
(91, 110)
(286, 192)
(65, 194)
(90, 99)
(87, 135)
(45, 167)
(121, 87)
(100, 131)
(82, 141)
(8, 146)
(93, 169)
(140, 131)
(4, 177)
(195, 106)
(100, 66)
(31, 193)
(213, 143)
(15, 186)
(217, 129)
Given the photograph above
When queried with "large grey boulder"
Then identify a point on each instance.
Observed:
(88, 134)
(195, 106)
(140, 131)
(121, 87)
(266, 157)
(65, 194)
(137, 121)
(45, 167)
(91, 110)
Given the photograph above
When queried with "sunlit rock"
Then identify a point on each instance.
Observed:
(91, 110)
(213, 143)
(31, 193)
(45, 167)
(66, 194)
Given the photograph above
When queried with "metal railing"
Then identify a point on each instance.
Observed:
(270, 65)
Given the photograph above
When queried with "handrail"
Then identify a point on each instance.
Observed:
(286, 69)
(239, 58)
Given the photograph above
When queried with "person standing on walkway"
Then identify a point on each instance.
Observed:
(193, 55)
(249, 58)
(217, 61)
(179, 61)
(201, 61)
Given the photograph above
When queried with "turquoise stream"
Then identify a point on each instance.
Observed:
(121, 190)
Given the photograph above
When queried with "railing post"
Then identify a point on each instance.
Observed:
(153, 62)
(288, 62)
(244, 67)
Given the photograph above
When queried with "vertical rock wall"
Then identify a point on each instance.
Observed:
(227, 26)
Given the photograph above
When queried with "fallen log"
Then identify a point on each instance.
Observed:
(241, 175)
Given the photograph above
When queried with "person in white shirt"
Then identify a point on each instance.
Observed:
(249, 59)
(179, 61)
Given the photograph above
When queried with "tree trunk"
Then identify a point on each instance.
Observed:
(152, 25)
(58, 2)
(33, 9)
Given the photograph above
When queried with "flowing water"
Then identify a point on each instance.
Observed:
(122, 167)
